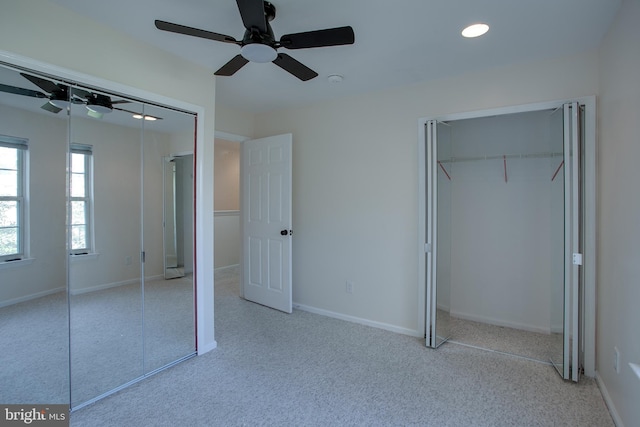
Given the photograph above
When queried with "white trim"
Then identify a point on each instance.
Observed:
(226, 213)
(231, 136)
(181, 154)
(589, 218)
(29, 297)
(204, 217)
(113, 285)
(83, 257)
(422, 227)
(202, 349)
(358, 320)
(17, 263)
(102, 287)
(608, 401)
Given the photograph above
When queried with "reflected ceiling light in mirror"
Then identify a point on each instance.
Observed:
(475, 30)
(94, 114)
(149, 118)
(60, 103)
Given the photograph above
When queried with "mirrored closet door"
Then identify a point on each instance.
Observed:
(34, 324)
(83, 189)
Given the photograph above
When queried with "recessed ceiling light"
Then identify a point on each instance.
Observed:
(475, 30)
(335, 78)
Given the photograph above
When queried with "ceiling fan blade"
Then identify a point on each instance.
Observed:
(52, 108)
(120, 101)
(320, 38)
(46, 85)
(80, 93)
(296, 68)
(252, 13)
(232, 66)
(195, 32)
(21, 91)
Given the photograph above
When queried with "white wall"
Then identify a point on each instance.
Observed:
(227, 203)
(101, 54)
(227, 229)
(355, 172)
(235, 122)
(501, 231)
(618, 268)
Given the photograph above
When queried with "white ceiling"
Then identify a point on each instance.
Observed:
(397, 42)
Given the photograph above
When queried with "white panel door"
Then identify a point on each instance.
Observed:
(266, 221)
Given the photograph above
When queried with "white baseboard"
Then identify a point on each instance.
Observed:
(207, 348)
(353, 319)
(607, 400)
(102, 287)
(500, 322)
(113, 285)
(30, 297)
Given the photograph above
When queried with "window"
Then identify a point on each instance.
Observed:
(13, 189)
(81, 199)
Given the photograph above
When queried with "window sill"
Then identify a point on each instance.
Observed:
(17, 263)
(84, 257)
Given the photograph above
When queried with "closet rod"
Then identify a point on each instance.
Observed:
(502, 157)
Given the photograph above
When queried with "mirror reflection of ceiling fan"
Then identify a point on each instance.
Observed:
(259, 43)
(58, 98)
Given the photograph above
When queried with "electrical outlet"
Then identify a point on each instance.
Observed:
(349, 287)
(616, 360)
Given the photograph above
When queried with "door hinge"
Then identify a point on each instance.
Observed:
(427, 248)
(142, 256)
(577, 259)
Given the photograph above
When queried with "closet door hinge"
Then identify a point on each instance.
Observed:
(577, 259)
(142, 256)
(427, 248)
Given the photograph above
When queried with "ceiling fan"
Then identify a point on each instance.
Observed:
(259, 43)
(59, 98)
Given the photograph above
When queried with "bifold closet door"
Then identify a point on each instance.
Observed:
(438, 238)
(568, 361)
(573, 141)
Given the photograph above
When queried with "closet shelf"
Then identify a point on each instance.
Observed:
(502, 157)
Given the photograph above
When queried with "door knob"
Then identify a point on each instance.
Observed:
(286, 232)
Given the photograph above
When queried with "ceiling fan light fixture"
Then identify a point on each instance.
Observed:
(258, 52)
(60, 103)
(100, 109)
(475, 30)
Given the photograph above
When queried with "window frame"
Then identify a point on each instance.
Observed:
(87, 151)
(21, 198)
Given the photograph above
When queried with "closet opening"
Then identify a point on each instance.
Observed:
(504, 241)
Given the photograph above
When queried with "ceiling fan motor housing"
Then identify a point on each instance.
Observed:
(259, 46)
